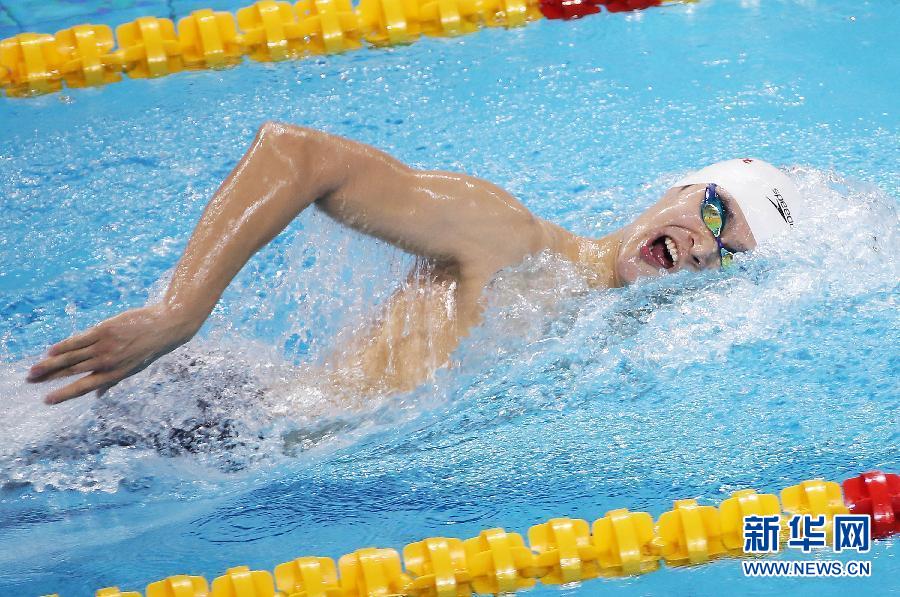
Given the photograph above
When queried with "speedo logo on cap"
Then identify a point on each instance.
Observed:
(782, 207)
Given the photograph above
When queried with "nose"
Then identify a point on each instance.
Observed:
(704, 251)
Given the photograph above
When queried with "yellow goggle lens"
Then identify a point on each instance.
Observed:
(712, 217)
(727, 258)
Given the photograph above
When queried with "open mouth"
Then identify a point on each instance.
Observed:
(661, 252)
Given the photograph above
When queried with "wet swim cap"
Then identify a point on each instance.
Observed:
(768, 199)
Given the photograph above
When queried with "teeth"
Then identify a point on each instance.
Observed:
(673, 250)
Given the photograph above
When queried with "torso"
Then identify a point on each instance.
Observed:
(414, 334)
(422, 323)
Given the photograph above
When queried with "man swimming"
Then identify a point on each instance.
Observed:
(463, 230)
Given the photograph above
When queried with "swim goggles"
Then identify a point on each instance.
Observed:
(712, 212)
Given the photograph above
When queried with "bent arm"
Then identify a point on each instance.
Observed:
(440, 215)
(445, 216)
(281, 174)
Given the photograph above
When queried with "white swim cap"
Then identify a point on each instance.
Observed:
(768, 199)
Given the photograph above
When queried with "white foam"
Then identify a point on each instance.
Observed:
(231, 400)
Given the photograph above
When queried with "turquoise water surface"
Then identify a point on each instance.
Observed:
(567, 401)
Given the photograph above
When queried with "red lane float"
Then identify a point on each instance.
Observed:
(569, 9)
(575, 9)
(627, 5)
(878, 495)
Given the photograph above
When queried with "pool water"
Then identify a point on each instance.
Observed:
(567, 401)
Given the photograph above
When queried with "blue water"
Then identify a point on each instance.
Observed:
(567, 401)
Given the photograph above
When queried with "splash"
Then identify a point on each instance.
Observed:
(249, 393)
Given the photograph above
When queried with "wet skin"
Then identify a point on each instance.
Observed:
(462, 230)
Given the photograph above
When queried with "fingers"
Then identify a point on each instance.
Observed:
(60, 366)
(96, 364)
(82, 386)
(74, 343)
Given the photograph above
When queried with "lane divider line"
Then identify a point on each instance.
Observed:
(270, 30)
(559, 551)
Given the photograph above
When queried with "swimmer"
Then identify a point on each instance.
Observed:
(462, 230)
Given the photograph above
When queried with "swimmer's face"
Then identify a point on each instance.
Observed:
(670, 236)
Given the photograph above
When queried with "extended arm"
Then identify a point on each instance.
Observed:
(448, 217)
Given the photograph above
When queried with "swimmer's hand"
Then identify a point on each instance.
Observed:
(111, 351)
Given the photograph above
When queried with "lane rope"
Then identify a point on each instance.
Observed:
(90, 55)
(559, 551)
